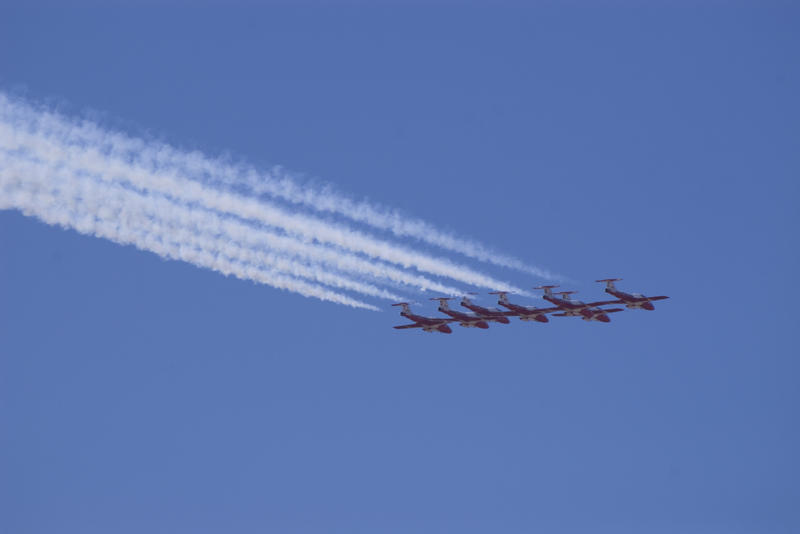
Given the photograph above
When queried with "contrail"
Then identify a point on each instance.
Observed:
(159, 217)
(277, 183)
(184, 205)
(280, 184)
(84, 213)
(112, 154)
(159, 207)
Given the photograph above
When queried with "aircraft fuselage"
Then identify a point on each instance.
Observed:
(421, 319)
(633, 301)
(488, 313)
(526, 313)
(576, 308)
(467, 320)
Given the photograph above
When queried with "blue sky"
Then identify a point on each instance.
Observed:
(657, 144)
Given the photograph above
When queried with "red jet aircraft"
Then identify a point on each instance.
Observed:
(428, 324)
(575, 308)
(630, 300)
(525, 313)
(467, 319)
(496, 315)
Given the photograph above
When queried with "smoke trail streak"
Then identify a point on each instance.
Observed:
(93, 212)
(277, 183)
(210, 223)
(54, 137)
(234, 231)
(326, 199)
(160, 217)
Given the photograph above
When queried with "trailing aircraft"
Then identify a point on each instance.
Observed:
(630, 300)
(467, 319)
(588, 311)
(525, 313)
(428, 324)
(498, 315)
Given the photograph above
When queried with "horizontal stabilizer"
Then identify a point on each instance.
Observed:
(402, 326)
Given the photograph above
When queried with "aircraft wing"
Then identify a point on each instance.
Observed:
(431, 321)
(440, 325)
(605, 302)
(548, 310)
(537, 311)
(435, 322)
(602, 310)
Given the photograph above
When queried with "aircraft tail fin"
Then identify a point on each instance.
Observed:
(465, 298)
(443, 302)
(548, 290)
(502, 296)
(609, 282)
(405, 305)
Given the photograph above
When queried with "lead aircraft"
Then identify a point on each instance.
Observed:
(468, 319)
(588, 311)
(428, 324)
(525, 313)
(630, 300)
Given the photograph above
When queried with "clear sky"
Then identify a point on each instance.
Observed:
(657, 144)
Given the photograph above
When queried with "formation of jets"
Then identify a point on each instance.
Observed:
(562, 306)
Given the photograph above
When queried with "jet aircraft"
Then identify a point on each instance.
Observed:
(428, 324)
(467, 319)
(498, 315)
(575, 308)
(525, 313)
(630, 300)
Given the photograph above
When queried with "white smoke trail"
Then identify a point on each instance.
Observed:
(158, 216)
(280, 184)
(277, 183)
(160, 199)
(100, 213)
(110, 154)
(210, 223)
